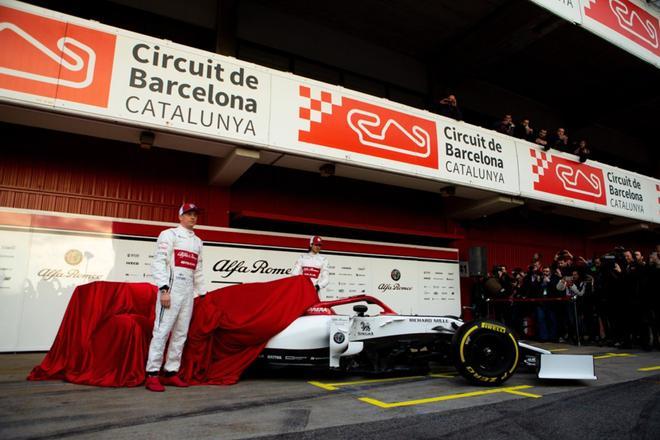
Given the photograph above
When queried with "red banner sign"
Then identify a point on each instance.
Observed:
(563, 177)
(55, 59)
(357, 126)
(627, 19)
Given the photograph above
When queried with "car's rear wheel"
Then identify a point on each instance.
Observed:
(485, 352)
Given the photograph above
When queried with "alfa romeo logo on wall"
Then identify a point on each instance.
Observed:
(396, 275)
(73, 257)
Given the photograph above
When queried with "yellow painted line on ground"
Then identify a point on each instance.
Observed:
(558, 349)
(385, 405)
(522, 393)
(657, 367)
(335, 386)
(611, 355)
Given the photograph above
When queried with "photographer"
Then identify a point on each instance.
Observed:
(559, 140)
(653, 273)
(524, 130)
(520, 310)
(449, 107)
(609, 296)
(562, 264)
(542, 284)
(596, 307)
(498, 285)
(505, 126)
(573, 286)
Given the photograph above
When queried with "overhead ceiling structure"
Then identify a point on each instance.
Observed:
(517, 50)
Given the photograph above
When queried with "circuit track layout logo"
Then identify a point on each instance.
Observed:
(627, 19)
(54, 59)
(348, 124)
(563, 177)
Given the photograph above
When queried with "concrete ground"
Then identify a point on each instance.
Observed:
(312, 404)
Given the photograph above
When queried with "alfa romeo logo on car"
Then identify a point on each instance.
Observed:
(339, 337)
(396, 275)
(73, 257)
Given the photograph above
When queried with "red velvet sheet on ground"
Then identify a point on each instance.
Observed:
(105, 333)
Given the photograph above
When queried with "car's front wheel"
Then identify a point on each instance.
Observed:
(485, 352)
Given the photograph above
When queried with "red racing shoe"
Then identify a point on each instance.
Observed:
(175, 381)
(153, 384)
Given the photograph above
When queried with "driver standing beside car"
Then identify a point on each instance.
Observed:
(177, 271)
(313, 265)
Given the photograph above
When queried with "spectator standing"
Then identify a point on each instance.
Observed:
(559, 140)
(524, 130)
(505, 126)
(449, 107)
(542, 139)
(582, 150)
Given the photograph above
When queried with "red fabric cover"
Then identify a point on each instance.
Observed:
(105, 333)
(104, 336)
(230, 328)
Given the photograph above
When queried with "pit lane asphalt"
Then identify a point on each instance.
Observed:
(623, 403)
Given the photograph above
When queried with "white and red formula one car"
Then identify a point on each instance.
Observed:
(484, 352)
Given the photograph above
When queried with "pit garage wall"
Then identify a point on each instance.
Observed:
(44, 256)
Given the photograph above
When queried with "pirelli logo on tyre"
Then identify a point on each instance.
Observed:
(494, 327)
(332, 120)
(55, 59)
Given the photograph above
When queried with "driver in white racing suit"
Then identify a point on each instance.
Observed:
(313, 264)
(177, 271)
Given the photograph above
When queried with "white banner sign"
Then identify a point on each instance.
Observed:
(476, 157)
(40, 268)
(567, 9)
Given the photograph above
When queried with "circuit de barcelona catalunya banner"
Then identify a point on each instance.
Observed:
(75, 65)
(343, 125)
(560, 178)
(67, 65)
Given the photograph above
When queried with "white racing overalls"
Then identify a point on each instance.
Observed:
(314, 266)
(177, 264)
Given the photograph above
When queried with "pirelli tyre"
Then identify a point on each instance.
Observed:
(485, 352)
